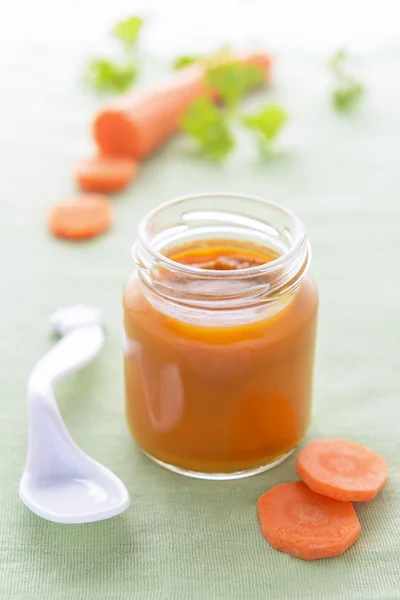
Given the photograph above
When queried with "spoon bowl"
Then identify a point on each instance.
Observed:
(91, 496)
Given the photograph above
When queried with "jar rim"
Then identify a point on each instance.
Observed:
(299, 238)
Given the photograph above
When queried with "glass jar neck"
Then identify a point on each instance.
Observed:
(190, 293)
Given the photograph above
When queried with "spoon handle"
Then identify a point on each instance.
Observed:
(71, 353)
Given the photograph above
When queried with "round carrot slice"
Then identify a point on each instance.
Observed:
(296, 520)
(105, 173)
(83, 217)
(342, 470)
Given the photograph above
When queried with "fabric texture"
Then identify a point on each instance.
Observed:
(183, 539)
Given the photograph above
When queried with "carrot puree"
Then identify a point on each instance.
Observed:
(219, 399)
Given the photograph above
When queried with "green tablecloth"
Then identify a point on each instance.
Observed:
(185, 539)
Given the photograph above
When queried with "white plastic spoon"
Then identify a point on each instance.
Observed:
(61, 483)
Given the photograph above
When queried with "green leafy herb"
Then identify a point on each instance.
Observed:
(338, 59)
(346, 96)
(184, 61)
(348, 90)
(127, 31)
(209, 127)
(213, 127)
(116, 76)
(267, 122)
(233, 80)
(104, 75)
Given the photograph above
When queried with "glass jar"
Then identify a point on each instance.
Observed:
(220, 328)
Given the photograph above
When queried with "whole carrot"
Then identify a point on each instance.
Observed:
(139, 122)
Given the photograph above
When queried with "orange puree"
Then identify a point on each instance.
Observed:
(219, 399)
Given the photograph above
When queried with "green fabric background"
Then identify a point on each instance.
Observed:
(183, 539)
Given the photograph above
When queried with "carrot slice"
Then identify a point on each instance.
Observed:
(105, 173)
(83, 217)
(295, 520)
(139, 122)
(342, 470)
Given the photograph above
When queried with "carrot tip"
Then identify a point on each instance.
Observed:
(115, 134)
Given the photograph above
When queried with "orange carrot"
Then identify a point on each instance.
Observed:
(342, 470)
(105, 173)
(260, 60)
(141, 121)
(83, 217)
(295, 520)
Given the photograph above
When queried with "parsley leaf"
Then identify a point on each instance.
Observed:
(210, 128)
(348, 90)
(213, 128)
(184, 61)
(116, 76)
(268, 121)
(346, 97)
(232, 80)
(338, 59)
(104, 75)
(127, 31)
